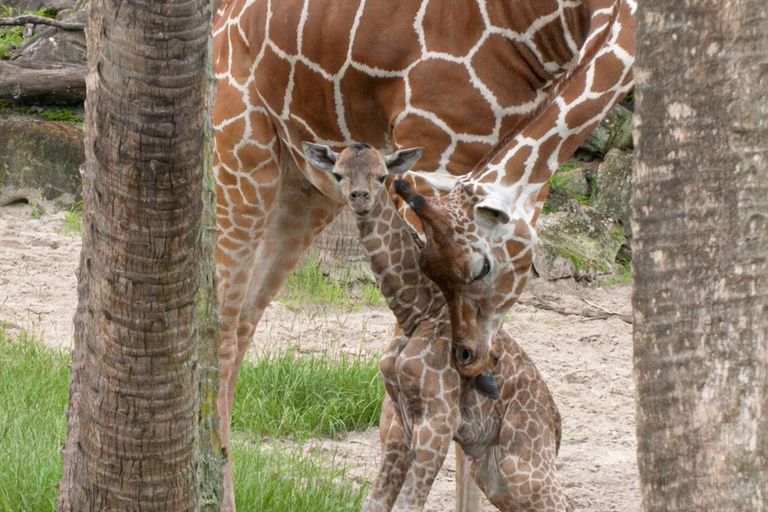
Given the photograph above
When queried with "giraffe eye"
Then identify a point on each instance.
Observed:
(338, 176)
(483, 271)
(382, 179)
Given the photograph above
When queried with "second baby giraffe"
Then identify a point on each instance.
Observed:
(510, 442)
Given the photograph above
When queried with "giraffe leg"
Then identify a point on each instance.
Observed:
(298, 213)
(430, 442)
(248, 178)
(467, 492)
(394, 444)
(529, 490)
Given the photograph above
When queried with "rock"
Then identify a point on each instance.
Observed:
(39, 159)
(568, 186)
(580, 243)
(614, 131)
(33, 5)
(50, 44)
(612, 190)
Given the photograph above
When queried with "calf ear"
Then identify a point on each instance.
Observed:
(320, 157)
(402, 160)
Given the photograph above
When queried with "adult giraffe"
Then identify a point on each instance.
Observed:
(451, 76)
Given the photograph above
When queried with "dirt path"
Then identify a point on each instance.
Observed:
(587, 363)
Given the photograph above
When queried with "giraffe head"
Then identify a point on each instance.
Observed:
(360, 170)
(478, 252)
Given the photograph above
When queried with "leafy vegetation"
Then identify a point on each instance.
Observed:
(12, 38)
(34, 387)
(64, 114)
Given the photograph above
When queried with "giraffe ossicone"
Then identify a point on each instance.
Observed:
(511, 443)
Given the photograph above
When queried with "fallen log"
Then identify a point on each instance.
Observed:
(41, 20)
(45, 83)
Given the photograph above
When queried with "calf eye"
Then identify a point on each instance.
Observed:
(382, 179)
(484, 271)
(338, 176)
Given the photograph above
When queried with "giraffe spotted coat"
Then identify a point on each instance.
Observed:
(512, 441)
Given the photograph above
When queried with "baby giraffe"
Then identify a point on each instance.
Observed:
(510, 442)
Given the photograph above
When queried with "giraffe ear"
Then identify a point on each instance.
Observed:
(320, 157)
(492, 210)
(402, 160)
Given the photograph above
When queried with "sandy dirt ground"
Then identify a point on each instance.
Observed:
(586, 362)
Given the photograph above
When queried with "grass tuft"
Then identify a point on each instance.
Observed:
(342, 394)
(300, 397)
(621, 277)
(372, 295)
(73, 220)
(269, 480)
(34, 386)
(309, 285)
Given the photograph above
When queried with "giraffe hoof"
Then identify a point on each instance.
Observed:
(485, 384)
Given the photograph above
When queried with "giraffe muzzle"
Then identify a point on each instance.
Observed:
(360, 201)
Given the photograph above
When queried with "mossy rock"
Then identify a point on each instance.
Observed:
(568, 186)
(50, 44)
(39, 158)
(612, 190)
(614, 131)
(581, 243)
(34, 5)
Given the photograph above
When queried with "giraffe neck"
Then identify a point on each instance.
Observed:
(520, 166)
(394, 254)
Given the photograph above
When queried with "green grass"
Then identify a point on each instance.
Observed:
(36, 211)
(308, 285)
(372, 296)
(287, 395)
(621, 277)
(34, 387)
(64, 114)
(73, 220)
(268, 480)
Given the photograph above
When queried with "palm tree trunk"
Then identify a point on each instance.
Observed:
(700, 254)
(133, 419)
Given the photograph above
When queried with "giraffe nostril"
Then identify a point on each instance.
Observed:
(359, 194)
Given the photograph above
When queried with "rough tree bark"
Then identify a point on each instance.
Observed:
(700, 249)
(133, 441)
